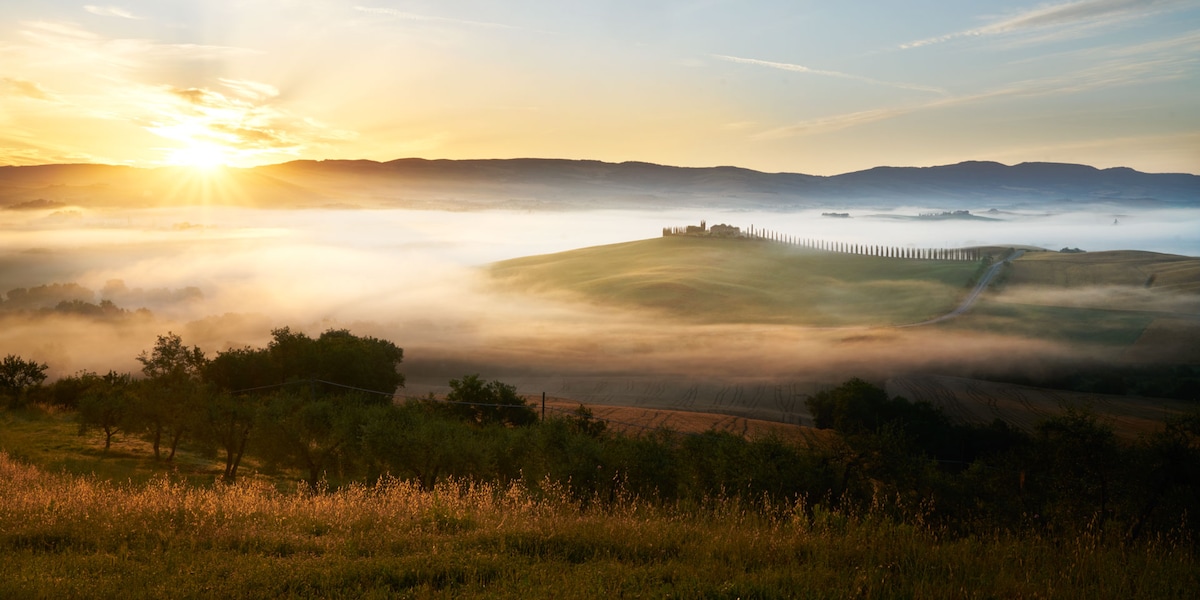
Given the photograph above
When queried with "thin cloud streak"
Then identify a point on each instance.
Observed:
(1162, 64)
(111, 11)
(408, 16)
(826, 73)
(69, 41)
(26, 88)
(834, 123)
(1082, 13)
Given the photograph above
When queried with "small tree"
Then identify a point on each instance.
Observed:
(489, 402)
(105, 404)
(239, 380)
(419, 442)
(853, 407)
(18, 376)
(170, 401)
(582, 420)
(228, 422)
(68, 391)
(311, 435)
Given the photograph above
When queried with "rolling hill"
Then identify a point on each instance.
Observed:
(742, 281)
(1116, 299)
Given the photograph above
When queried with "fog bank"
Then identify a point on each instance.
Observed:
(222, 277)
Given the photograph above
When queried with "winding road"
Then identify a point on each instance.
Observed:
(969, 301)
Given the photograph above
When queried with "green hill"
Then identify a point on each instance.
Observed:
(1131, 268)
(742, 281)
(1143, 300)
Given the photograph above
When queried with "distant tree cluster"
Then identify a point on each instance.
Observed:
(729, 231)
(74, 299)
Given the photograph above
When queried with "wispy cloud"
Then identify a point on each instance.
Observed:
(121, 80)
(832, 123)
(408, 16)
(1162, 60)
(1064, 15)
(252, 90)
(26, 88)
(244, 121)
(110, 11)
(827, 73)
(26, 153)
(55, 42)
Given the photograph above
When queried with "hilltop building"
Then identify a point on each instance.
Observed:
(721, 231)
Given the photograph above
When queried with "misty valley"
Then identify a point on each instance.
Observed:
(711, 356)
(635, 299)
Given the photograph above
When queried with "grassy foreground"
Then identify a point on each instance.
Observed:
(66, 536)
(743, 281)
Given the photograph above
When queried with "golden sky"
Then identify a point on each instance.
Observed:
(776, 86)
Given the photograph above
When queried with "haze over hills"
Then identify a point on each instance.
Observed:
(554, 184)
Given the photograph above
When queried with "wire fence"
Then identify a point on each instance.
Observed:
(431, 398)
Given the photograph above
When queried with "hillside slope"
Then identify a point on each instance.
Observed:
(741, 281)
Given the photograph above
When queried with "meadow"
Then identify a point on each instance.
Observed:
(132, 528)
(66, 536)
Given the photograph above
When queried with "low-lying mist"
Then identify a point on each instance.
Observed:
(223, 277)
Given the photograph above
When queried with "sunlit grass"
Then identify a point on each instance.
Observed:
(70, 536)
(49, 438)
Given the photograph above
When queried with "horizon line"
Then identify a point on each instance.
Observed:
(607, 162)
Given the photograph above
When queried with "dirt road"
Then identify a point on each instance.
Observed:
(969, 301)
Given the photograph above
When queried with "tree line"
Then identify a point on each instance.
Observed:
(324, 408)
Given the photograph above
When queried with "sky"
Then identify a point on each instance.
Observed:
(797, 86)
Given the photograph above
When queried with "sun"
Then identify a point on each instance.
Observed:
(200, 156)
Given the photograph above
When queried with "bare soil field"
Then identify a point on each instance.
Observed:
(757, 400)
(635, 420)
(757, 407)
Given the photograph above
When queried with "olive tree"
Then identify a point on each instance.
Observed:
(18, 376)
(106, 404)
(488, 402)
(172, 396)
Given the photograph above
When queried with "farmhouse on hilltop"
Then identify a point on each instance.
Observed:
(722, 230)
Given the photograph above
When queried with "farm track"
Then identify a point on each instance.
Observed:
(974, 294)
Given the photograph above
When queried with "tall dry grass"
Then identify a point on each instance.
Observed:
(67, 536)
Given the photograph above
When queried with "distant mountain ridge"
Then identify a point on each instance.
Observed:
(532, 183)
